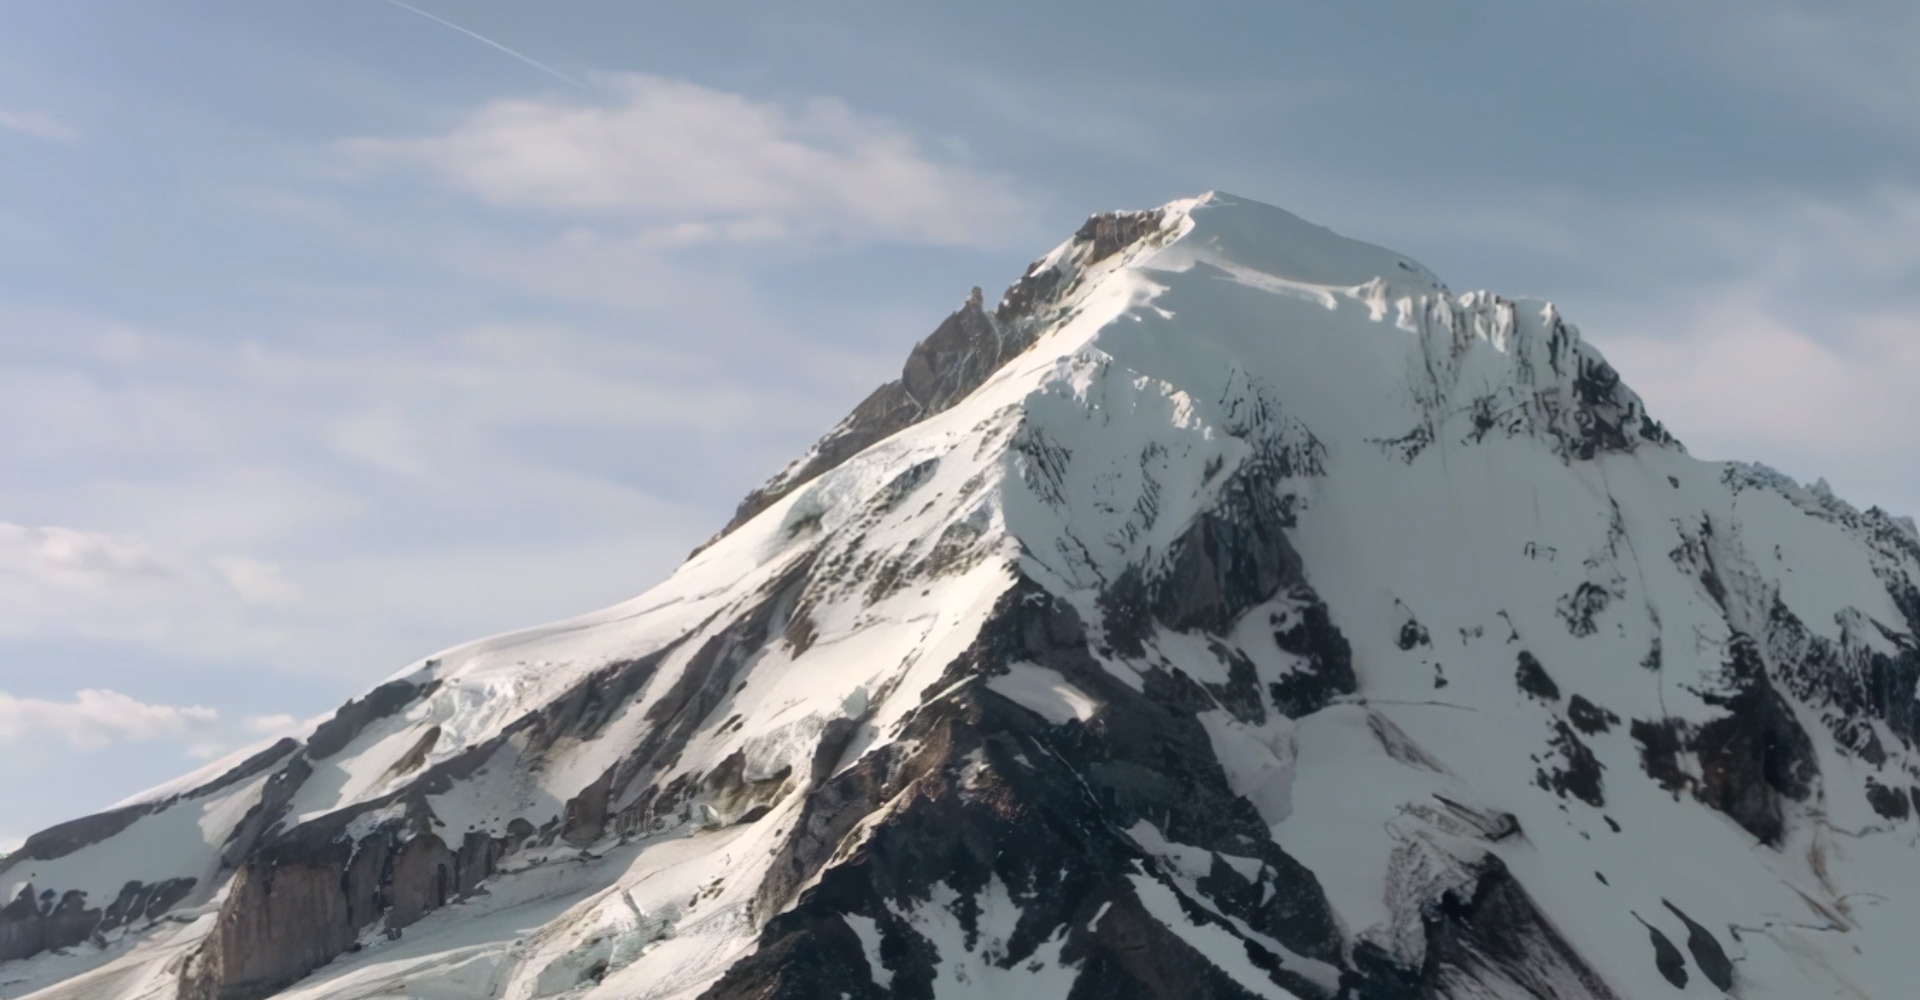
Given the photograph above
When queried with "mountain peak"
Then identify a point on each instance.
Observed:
(1118, 262)
(1230, 611)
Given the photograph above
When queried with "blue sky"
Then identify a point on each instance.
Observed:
(331, 336)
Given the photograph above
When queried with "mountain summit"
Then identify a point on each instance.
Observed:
(1229, 610)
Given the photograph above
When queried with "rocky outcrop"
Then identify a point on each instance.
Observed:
(991, 799)
(1491, 940)
(58, 917)
(65, 838)
(301, 902)
(997, 800)
(954, 360)
(1750, 760)
(1112, 232)
(44, 921)
(333, 735)
(305, 895)
(37, 922)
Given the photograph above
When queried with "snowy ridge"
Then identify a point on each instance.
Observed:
(1230, 611)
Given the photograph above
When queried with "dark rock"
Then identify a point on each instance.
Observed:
(1494, 934)
(584, 817)
(1579, 608)
(65, 838)
(416, 755)
(1667, 958)
(1580, 774)
(1126, 612)
(251, 952)
(1589, 718)
(1412, 634)
(1329, 672)
(1661, 744)
(256, 764)
(419, 879)
(1757, 753)
(302, 895)
(1240, 695)
(1219, 568)
(1854, 681)
(355, 716)
(959, 355)
(28, 928)
(1023, 300)
(1113, 232)
(1708, 956)
(1606, 417)
(1750, 758)
(1890, 803)
(32, 924)
(139, 901)
(1533, 679)
(834, 740)
(941, 370)
(264, 814)
(901, 486)
(1041, 810)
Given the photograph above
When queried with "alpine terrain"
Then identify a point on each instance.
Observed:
(1228, 610)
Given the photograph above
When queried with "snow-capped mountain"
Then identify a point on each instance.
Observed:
(1230, 610)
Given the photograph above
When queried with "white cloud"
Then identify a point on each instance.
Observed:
(40, 126)
(1785, 331)
(1737, 375)
(693, 164)
(1760, 324)
(256, 581)
(97, 718)
(65, 557)
(65, 582)
(270, 725)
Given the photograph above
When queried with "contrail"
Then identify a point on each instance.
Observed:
(478, 37)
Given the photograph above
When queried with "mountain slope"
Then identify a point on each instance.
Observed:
(1229, 611)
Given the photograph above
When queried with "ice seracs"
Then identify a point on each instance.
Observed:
(1227, 610)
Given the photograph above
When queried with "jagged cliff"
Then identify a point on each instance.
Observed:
(1230, 610)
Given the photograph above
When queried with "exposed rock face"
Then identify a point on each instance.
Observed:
(33, 923)
(959, 355)
(1751, 759)
(1000, 801)
(52, 919)
(1489, 939)
(1229, 611)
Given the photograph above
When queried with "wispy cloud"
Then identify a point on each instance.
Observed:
(1739, 376)
(63, 556)
(1762, 323)
(689, 163)
(59, 581)
(234, 502)
(38, 125)
(98, 718)
(1778, 327)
